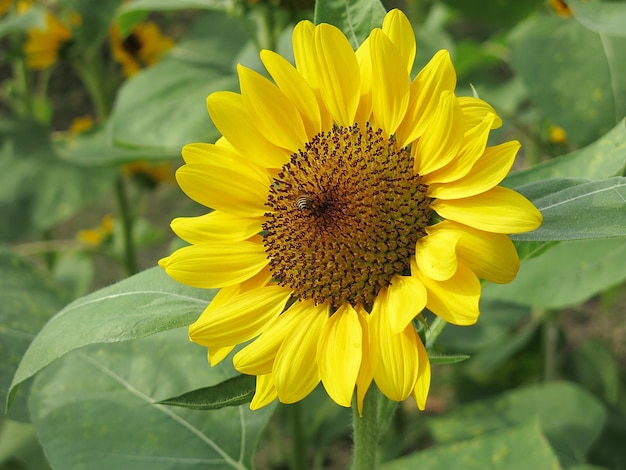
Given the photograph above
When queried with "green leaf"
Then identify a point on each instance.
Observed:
(601, 17)
(96, 148)
(577, 209)
(235, 391)
(29, 299)
(595, 367)
(40, 190)
(164, 107)
(34, 17)
(131, 8)
(96, 19)
(18, 443)
(602, 159)
(95, 409)
(447, 358)
(516, 448)
(499, 13)
(571, 418)
(356, 18)
(139, 306)
(575, 77)
(565, 275)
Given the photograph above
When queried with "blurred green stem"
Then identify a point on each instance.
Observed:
(126, 219)
(298, 457)
(365, 429)
(92, 76)
(550, 344)
(434, 331)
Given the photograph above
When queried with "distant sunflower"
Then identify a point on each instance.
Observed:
(347, 198)
(43, 45)
(143, 47)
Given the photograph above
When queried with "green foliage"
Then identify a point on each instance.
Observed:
(356, 18)
(139, 306)
(103, 398)
(232, 392)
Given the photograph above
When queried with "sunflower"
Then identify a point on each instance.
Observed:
(43, 45)
(143, 47)
(347, 198)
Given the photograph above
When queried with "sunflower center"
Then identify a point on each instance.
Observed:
(345, 214)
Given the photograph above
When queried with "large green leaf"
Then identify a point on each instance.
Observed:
(38, 190)
(574, 76)
(604, 158)
(565, 275)
(96, 20)
(577, 209)
(96, 409)
(96, 148)
(517, 448)
(356, 18)
(34, 17)
(570, 417)
(142, 305)
(164, 107)
(29, 299)
(601, 17)
(19, 448)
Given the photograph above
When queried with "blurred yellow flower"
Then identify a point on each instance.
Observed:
(347, 199)
(561, 8)
(143, 47)
(81, 124)
(149, 173)
(558, 135)
(43, 45)
(99, 235)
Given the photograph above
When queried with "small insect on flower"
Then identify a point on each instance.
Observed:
(304, 202)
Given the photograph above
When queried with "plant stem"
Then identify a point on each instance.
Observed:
(126, 219)
(365, 429)
(550, 344)
(92, 77)
(298, 457)
(434, 331)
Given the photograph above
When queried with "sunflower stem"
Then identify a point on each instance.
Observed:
(298, 457)
(434, 331)
(365, 430)
(126, 219)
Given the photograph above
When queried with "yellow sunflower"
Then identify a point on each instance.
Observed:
(347, 198)
(43, 45)
(143, 47)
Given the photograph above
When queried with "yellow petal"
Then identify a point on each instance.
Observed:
(366, 375)
(472, 147)
(337, 73)
(422, 385)
(295, 370)
(364, 58)
(398, 29)
(222, 155)
(492, 256)
(499, 210)
(441, 140)
(490, 169)
(275, 115)
(241, 319)
(302, 41)
(265, 392)
(426, 89)
(435, 254)
(215, 265)
(406, 299)
(456, 299)
(390, 84)
(215, 226)
(230, 190)
(217, 355)
(394, 356)
(232, 119)
(296, 88)
(339, 354)
(257, 358)
(475, 111)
